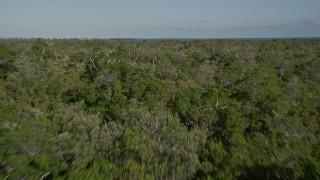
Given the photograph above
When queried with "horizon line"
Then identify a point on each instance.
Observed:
(161, 38)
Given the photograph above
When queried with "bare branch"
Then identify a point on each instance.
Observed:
(92, 62)
(45, 175)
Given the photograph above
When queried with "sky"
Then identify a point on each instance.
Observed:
(159, 18)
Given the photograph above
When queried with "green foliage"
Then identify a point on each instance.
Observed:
(209, 109)
(7, 56)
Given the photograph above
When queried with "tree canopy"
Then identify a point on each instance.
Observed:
(207, 109)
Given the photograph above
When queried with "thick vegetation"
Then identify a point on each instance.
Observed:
(218, 109)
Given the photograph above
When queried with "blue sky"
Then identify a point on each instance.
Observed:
(160, 18)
